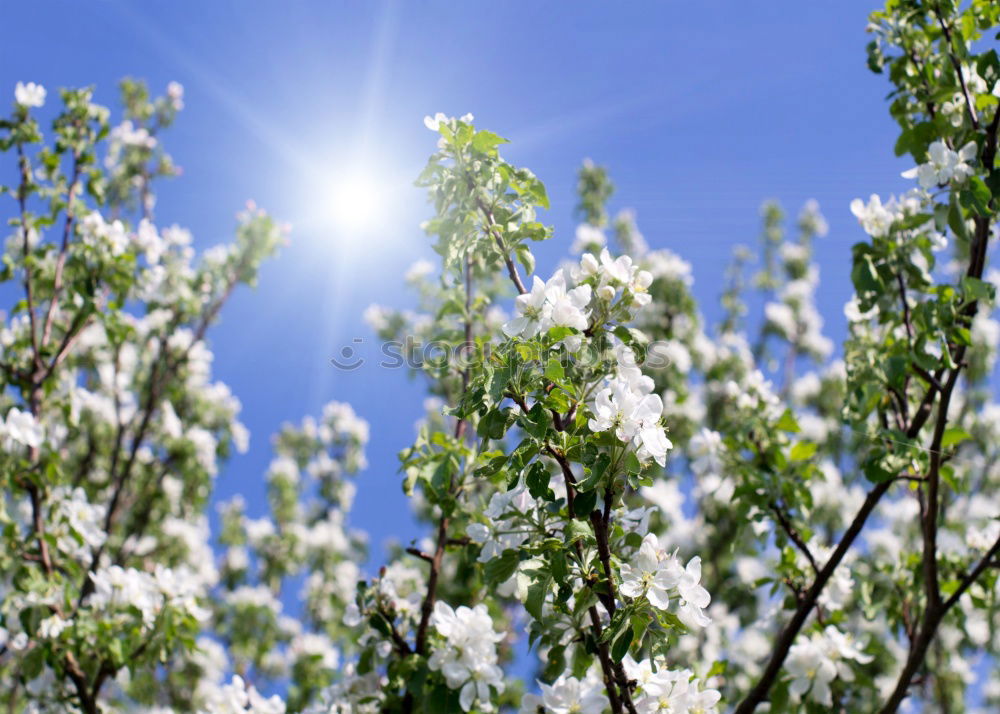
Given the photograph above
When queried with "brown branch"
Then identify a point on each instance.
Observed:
(141, 521)
(903, 399)
(22, 200)
(69, 339)
(987, 561)
(427, 607)
(76, 674)
(926, 376)
(929, 526)
(604, 657)
(928, 629)
(63, 249)
(791, 630)
(157, 382)
(38, 524)
(793, 535)
(402, 646)
(420, 554)
(467, 345)
(935, 609)
(958, 68)
(614, 674)
(432, 580)
(921, 70)
(491, 228)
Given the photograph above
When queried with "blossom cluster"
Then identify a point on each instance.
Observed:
(659, 690)
(820, 658)
(467, 658)
(656, 575)
(626, 407)
(118, 589)
(944, 165)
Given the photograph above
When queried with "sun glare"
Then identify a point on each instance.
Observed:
(353, 203)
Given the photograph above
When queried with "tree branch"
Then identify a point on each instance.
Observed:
(928, 629)
(63, 248)
(791, 630)
(491, 228)
(970, 108)
(793, 535)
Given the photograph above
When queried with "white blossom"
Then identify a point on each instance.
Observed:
(29, 94)
(569, 695)
(944, 165)
(238, 697)
(875, 218)
(633, 416)
(468, 657)
(22, 428)
(549, 305)
(652, 574)
(816, 661)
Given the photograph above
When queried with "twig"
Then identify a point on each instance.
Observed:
(63, 248)
(794, 535)
(491, 228)
(420, 554)
(958, 69)
(22, 200)
(791, 630)
(933, 617)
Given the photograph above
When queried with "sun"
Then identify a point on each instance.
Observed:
(353, 203)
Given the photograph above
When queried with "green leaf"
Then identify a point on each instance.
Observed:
(977, 289)
(718, 668)
(555, 661)
(620, 647)
(526, 258)
(584, 503)
(956, 220)
(576, 530)
(953, 435)
(500, 569)
(554, 371)
(441, 700)
(619, 621)
(875, 58)
(787, 423)
(536, 421)
(977, 196)
(864, 275)
(537, 191)
(536, 597)
(31, 663)
(537, 480)
(558, 565)
(498, 382)
(634, 338)
(496, 422)
(596, 473)
(875, 471)
(486, 141)
(559, 333)
(802, 450)
(949, 477)
(524, 453)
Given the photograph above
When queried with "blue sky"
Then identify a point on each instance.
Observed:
(700, 110)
